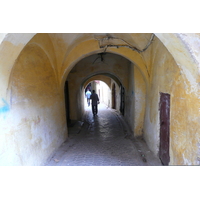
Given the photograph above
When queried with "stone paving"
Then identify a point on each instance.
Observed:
(102, 140)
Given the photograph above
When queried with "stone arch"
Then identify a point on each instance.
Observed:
(101, 84)
(79, 78)
(113, 88)
(105, 79)
(90, 47)
(109, 80)
(101, 76)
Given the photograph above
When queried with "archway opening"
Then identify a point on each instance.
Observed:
(113, 96)
(127, 88)
(102, 90)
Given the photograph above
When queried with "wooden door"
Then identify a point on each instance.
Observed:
(113, 97)
(122, 104)
(164, 128)
(67, 107)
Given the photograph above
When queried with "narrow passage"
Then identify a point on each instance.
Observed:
(102, 140)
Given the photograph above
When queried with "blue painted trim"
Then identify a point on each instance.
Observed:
(5, 108)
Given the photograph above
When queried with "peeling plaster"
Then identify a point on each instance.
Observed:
(189, 46)
(190, 78)
(186, 161)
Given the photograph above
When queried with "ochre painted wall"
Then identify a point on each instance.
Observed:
(135, 100)
(168, 77)
(37, 118)
(140, 102)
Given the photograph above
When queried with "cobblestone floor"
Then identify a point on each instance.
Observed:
(102, 140)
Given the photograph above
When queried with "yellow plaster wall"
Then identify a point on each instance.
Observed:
(37, 117)
(129, 113)
(44, 41)
(10, 48)
(140, 102)
(168, 77)
(135, 100)
(184, 125)
(163, 69)
(62, 45)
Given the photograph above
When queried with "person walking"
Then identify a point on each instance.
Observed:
(88, 94)
(95, 100)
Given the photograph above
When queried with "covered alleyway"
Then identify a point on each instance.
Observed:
(102, 140)
(44, 70)
(153, 81)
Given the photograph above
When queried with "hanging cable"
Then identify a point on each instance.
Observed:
(127, 44)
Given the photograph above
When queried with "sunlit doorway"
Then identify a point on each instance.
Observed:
(103, 91)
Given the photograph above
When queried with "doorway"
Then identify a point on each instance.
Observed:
(164, 128)
(67, 106)
(113, 96)
(122, 103)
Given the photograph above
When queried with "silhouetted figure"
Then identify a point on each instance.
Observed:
(95, 100)
(88, 94)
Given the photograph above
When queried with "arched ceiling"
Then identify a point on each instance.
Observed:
(67, 41)
(90, 47)
(139, 40)
(107, 64)
(70, 48)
